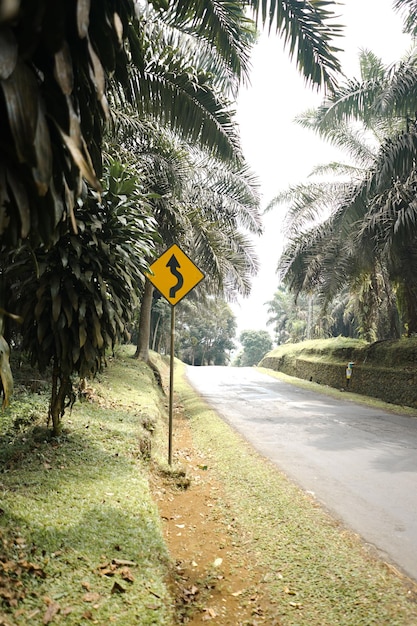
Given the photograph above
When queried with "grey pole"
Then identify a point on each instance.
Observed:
(171, 385)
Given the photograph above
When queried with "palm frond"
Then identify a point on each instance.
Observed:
(350, 101)
(396, 159)
(409, 7)
(222, 23)
(399, 96)
(308, 204)
(178, 96)
(232, 193)
(353, 141)
(308, 29)
(371, 66)
(335, 168)
(174, 31)
(227, 256)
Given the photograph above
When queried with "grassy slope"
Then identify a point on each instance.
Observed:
(316, 572)
(384, 369)
(81, 507)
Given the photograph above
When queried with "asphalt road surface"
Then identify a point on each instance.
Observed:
(360, 463)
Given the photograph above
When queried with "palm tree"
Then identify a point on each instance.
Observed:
(353, 244)
(56, 65)
(201, 205)
(383, 205)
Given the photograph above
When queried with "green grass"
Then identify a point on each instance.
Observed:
(80, 505)
(316, 572)
(318, 347)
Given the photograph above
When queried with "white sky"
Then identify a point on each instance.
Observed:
(282, 153)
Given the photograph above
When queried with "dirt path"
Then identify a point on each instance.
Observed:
(215, 579)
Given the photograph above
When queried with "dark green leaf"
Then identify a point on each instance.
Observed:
(8, 52)
(20, 91)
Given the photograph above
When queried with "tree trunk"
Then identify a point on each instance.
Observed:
(155, 333)
(407, 289)
(410, 293)
(310, 315)
(393, 323)
(61, 387)
(144, 331)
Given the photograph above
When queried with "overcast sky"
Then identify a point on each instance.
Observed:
(280, 152)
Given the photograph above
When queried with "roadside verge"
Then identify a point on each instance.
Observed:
(315, 571)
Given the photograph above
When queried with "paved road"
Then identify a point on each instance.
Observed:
(361, 463)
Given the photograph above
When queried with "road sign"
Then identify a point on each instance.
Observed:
(174, 274)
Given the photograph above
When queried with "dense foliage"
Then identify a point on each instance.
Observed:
(352, 235)
(205, 332)
(255, 343)
(72, 74)
(76, 298)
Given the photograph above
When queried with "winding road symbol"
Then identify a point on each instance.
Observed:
(174, 274)
(174, 266)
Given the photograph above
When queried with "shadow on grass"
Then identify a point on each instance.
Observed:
(102, 534)
(117, 557)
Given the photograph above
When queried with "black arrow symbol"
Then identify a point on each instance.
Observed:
(174, 267)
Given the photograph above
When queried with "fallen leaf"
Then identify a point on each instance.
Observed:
(237, 593)
(57, 553)
(32, 568)
(87, 615)
(20, 541)
(127, 575)
(91, 596)
(108, 572)
(51, 611)
(123, 562)
(67, 610)
(217, 562)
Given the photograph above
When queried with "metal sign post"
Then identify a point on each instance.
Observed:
(171, 385)
(174, 275)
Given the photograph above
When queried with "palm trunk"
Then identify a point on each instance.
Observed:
(60, 390)
(393, 319)
(144, 331)
(410, 296)
(310, 312)
(155, 333)
(408, 290)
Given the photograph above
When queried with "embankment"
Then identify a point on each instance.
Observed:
(385, 369)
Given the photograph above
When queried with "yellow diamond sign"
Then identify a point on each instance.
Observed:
(174, 274)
